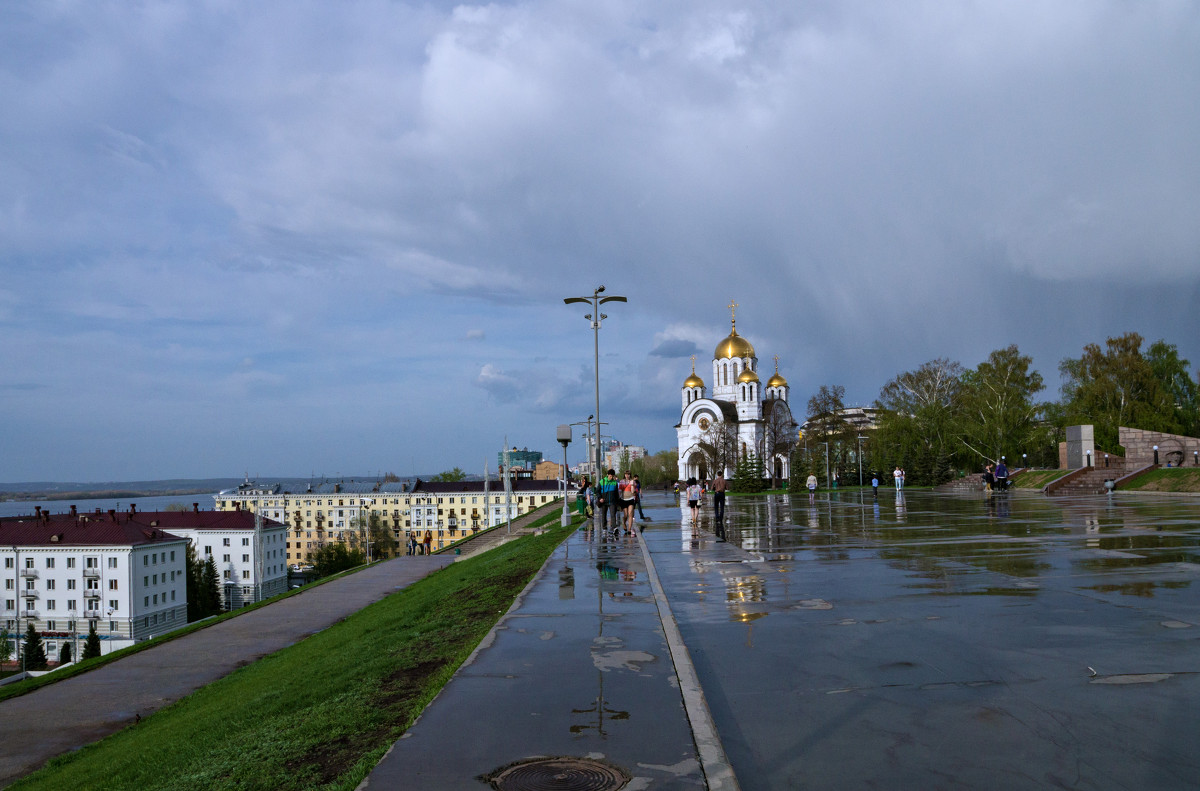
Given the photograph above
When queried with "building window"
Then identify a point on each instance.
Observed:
(245, 558)
(51, 626)
(208, 550)
(70, 585)
(245, 542)
(225, 542)
(71, 604)
(112, 604)
(146, 601)
(172, 556)
(112, 585)
(112, 563)
(49, 563)
(51, 604)
(245, 574)
(112, 626)
(225, 559)
(8, 563)
(50, 585)
(145, 560)
(70, 563)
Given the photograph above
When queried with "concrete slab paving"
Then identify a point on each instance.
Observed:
(579, 667)
(945, 641)
(78, 711)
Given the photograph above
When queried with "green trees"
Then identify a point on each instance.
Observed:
(826, 424)
(917, 427)
(450, 476)
(64, 653)
(748, 474)
(91, 648)
(1118, 386)
(5, 646)
(382, 539)
(335, 557)
(210, 589)
(656, 469)
(35, 651)
(997, 414)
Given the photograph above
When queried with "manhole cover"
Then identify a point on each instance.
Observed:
(559, 774)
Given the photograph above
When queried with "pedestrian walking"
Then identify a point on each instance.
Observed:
(428, 542)
(694, 492)
(606, 501)
(719, 497)
(1001, 475)
(627, 495)
(875, 486)
(637, 482)
(812, 487)
(583, 498)
(989, 478)
(899, 476)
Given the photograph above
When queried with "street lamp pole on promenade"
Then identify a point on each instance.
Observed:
(595, 317)
(860, 439)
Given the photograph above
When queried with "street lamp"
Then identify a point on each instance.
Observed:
(595, 317)
(860, 439)
(1156, 454)
(826, 444)
(1024, 461)
(564, 439)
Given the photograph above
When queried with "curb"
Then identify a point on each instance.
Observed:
(718, 772)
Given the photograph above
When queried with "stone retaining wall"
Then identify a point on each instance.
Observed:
(1139, 447)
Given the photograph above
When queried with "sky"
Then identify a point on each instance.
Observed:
(294, 238)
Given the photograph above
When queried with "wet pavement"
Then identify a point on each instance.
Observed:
(945, 641)
(579, 667)
(931, 641)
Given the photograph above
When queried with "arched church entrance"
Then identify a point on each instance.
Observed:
(698, 466)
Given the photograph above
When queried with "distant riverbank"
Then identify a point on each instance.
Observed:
(157, 502)
(100, 494)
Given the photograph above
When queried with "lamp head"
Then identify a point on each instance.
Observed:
(600, 290)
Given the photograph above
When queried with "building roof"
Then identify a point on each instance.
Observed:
(118, 528)
(495, 486)
(251, 490)
(31, 532)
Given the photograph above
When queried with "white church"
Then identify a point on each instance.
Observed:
(752, 413)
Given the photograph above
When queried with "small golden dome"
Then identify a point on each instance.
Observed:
(733, 346)
(747, 376)
(693, 380)
(776, 381)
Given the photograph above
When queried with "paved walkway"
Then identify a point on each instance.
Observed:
(581, 668)
(78, 711)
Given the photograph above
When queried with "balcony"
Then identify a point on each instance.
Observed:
(91, 594)
(30, 594)
(29, 613)
(91, 572)
(31, 574)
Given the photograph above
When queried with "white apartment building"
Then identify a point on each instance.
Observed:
(250, 554)
(66, 572)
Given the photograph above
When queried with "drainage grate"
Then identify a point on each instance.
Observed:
(559, 774)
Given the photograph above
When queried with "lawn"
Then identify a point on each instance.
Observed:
(320, 714)
(1036, 479)
(1166, 479)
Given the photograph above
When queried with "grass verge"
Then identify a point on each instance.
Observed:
(30, 684)
(320, 714)
(1166, 479)
(1036, 479)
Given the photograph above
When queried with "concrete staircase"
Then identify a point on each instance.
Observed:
(1088, 480)
(974, 482)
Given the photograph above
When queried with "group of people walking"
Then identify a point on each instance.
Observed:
(995, 477)
(418, 545)
(612, 501)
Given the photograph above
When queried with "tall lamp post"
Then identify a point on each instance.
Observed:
(595, 317)
(860, 439)
(826, 444)
(564, 439)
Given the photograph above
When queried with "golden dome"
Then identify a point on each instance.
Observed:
(693, 380)
(747, 376)
(733, 346)
(777, 380)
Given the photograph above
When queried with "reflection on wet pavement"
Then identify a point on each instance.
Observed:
(944, 640)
